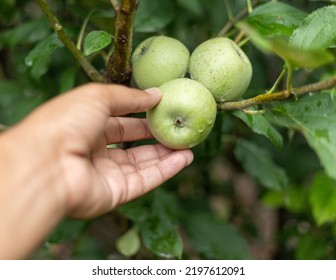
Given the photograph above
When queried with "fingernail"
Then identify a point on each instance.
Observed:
(153, 91)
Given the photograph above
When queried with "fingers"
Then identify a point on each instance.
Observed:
(156, 173)
(146, 167)
(121, 129)
(79, 117)
(121, 100)
(138, 155)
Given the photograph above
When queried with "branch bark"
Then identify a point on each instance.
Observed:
(83, 61)
(119, 65)
(277, 96)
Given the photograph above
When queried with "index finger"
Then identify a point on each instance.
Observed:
(121, 100)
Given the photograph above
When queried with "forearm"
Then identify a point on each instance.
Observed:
(30, 206)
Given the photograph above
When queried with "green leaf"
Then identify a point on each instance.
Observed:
(28, 32)
(153, 15)
(214, 238)
(129, 243)
(7, 9)
(258, 162)
(292, 55)
(157, 223)
(275, 19)
(10, 93)
(317, 30)
(323, 199)
(193, 6)
(159, 228)
(68, 229)
(273, 199)
(311, 247)
(161, 239)
(260, 125)
(96, 41)
(16, 101)
(136, 210)
(68, 77)
(39, 58)
(297, 57)
(315, 117)
(294, 199)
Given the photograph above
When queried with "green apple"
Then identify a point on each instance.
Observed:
(157, 60)
(221, 66)
(185, 115)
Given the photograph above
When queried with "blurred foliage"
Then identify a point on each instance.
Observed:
(262, 186)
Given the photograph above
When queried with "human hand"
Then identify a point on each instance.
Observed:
(55, 162)
(96, 179)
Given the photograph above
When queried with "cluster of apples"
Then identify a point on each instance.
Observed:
(219, 71)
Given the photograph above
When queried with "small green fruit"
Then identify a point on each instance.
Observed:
(185, 115)
(157, 60)
(221, 66)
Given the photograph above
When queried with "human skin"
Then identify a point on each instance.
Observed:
(55, 162)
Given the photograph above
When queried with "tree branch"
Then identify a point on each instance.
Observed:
(276, 96)
(119, 65)
(87, 66)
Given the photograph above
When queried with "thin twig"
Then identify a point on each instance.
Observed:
(239, 37)
(115, 5)
(82, 30)
(278, 80)
(277, 96)
(87, 66)
(228, 10)
(232, 21)
(249, 6)
(119, 64)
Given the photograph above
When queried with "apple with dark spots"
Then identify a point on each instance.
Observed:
(222, 67)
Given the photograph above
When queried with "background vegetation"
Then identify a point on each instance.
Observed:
(263, 185)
